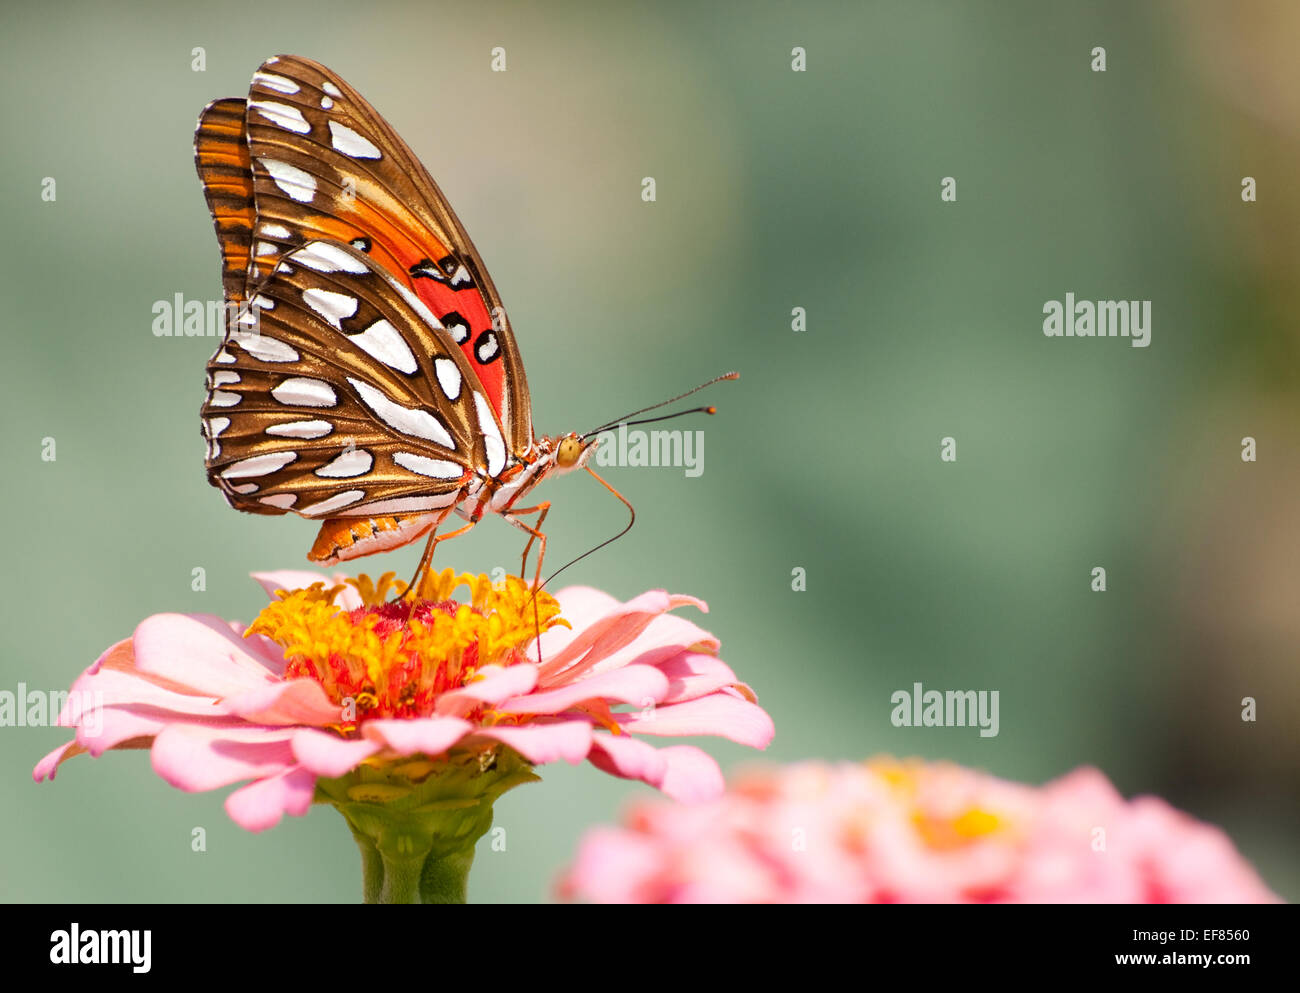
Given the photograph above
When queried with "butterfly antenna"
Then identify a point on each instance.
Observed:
(608, 541)
(656, 406)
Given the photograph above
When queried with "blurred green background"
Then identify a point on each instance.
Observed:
(776, 189)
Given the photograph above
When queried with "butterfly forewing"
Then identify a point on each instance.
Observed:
(327, 166)
(339, 393)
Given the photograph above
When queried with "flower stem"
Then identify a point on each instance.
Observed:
(446, 880)
(416, 820)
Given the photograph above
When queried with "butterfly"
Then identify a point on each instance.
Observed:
(371, 379)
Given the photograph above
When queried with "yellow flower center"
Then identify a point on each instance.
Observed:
(394, 659)
(940, 829)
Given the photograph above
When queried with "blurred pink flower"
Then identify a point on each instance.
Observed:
(905, 832)
(217, 703)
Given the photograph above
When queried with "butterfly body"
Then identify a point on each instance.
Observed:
(372, 380)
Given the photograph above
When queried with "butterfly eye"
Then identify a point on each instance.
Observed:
(567, 455)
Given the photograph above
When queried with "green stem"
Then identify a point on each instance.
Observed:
(416, 821)
(446, 880)
(421, 878)
(372, 868)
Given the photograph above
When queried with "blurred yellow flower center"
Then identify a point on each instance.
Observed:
(938, 829)
(394, 659)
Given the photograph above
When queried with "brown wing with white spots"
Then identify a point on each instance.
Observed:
(222, 159)
(327, 166)
(340, 395)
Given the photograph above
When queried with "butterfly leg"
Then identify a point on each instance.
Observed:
(535, 533)
(427, 558)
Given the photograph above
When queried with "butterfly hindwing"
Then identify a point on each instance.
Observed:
(339, 395)
(222, 159)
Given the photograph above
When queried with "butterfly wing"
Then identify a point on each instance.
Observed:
(339, 394)
(223, 163)
(327, 166)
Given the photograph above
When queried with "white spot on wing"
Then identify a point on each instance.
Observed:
(245, 488)
(325, 257)
(326, 103)
(282, 114)
(300, 429)
(416, 423)
(350, 143)
(293, 182)
(416, 303)
(274, 231)
(222, 398)
(258, 465)
(433, 468)
(331, 89)
(264, 347)
(278, 83)
(354, 463)
(410, 505)
(214, 426)
(459, 331)
(334, 307)
(449, 377)
(492, 441)
(383, 341)
(300, 391)
(225, 356)
(224, 377)
(337, 501)
(282, 500)
(487, 348)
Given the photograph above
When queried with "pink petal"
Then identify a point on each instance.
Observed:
(427, 735)
(135, 707)
(113, 688)
(299, 701)
(48, 766)
(327, 754)
(260, 805)
(683, 772)
(121, 724)
(493, 684)
(198, 651)
(692, 675)
(301, 579)
(615, 866)
(664, 634)
(582, 606)
(641, 685)
(118, 656)
(612, 631)
(541, 743)
(693, 776)
(627, 757)
(718, 714)
(195, 758)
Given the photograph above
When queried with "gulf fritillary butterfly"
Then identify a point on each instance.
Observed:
(371, 380)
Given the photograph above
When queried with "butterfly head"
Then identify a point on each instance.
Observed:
(571, 451)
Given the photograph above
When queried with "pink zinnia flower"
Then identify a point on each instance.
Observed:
(391, 710)
(890, 832)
